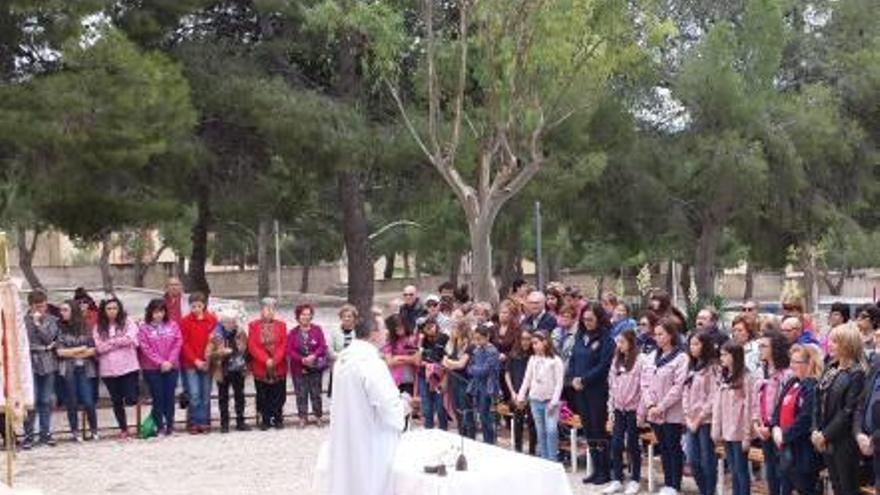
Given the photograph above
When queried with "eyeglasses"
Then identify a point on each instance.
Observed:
(748, 309)
(863, 316)
(798, 361)
(408, 294)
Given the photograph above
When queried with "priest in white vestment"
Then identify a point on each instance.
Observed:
(367, 417)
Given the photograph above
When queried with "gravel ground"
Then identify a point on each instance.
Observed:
(254, 463)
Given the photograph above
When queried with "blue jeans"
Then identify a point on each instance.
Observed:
(702, 457)
(547, 427)
(671, 456)
(432, 405)
(463, 408)
(44, 385)
(162, 387)
(626, 431)
(199, 385)
(487, 418)
(738, 462)
(79, 391)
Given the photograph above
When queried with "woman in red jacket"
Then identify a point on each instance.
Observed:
(267, 344)
(196, 328)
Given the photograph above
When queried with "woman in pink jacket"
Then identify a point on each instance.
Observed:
(699, 390)
(160, 342)
(731, 414)
(662, 387)
(116, 344)
(623, 403)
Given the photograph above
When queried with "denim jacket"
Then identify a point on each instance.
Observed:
(484, 368)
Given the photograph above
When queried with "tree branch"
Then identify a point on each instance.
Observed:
(409, 125)
(155, 258)
(33, 246)
(462, 77)
(433, 89)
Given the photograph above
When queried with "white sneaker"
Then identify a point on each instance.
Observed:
(614, 487)
(667, 490)
(632, 488)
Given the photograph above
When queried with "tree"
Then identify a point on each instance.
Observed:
(88, 133)
(506, 77)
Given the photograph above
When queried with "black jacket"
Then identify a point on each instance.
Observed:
(836, 404)
(410, 313)
(544, 321)
(864, 399)
(797, 436)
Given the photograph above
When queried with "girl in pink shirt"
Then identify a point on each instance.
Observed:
(542, 385)
(116, 343)
(623, 403)
(699, 390)
(731, 414)
(663, 379)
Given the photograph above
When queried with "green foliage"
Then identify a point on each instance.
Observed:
(88, 134)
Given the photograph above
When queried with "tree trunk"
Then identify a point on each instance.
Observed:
(454, 267)
(509, 261)
(197, 280)
(181, 269)
(704, 260)
(141, 268)
(26, 257)
(811, 276)
(670, 276)
(554, 264)
(388, 274)
(685, 283)
(356, 231)
(600, 286)
(749, 292)
(104, 263)
(140, 272)
(306, 267)
(481, 246)
(264, 240)
(406, 269)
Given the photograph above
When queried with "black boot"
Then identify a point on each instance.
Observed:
(240, 425)
(600, 468)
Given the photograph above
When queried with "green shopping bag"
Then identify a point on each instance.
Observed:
(147, 428)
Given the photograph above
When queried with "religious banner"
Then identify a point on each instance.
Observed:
(17, 387)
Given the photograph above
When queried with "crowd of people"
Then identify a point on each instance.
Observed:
(178, 340)
(808, 397)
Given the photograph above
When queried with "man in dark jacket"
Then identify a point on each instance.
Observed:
(411, 309)
(537, 317)
(707, 321)
(42, 329)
